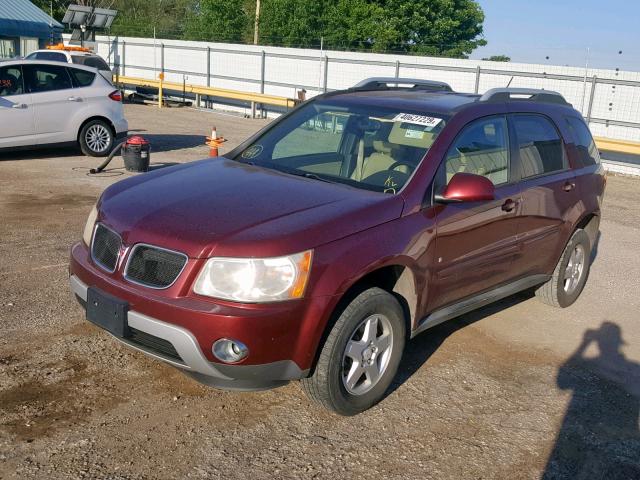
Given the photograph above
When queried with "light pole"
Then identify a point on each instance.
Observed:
(257, 23)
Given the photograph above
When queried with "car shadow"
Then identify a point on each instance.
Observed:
(420, 349)
(170, 141)
(40, 153)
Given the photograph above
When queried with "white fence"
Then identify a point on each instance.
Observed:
(609, 99)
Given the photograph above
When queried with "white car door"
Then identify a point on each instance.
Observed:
(16, 110)
(54, 101)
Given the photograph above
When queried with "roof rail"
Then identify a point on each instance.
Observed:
(527, 94)
(414, 83)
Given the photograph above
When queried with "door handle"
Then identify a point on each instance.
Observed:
(74, 99)
(509, 205)
(567, 187)
(19, 105)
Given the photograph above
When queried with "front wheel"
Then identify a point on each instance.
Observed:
(360, 356)
(96, 138)
(570, 275)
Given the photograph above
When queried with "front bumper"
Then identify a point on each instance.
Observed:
(153, 337)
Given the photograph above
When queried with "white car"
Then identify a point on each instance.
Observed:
(75, 55)
(44, 103)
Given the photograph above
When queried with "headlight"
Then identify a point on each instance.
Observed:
(88, 228)
(255, 279)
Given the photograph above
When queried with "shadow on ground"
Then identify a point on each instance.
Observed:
(420, 349)
(599, 436)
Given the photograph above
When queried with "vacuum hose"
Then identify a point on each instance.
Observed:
(104, 164)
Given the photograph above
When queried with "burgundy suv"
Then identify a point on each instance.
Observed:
(362, 218)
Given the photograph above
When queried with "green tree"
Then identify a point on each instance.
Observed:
(498, 58)
(219, 20)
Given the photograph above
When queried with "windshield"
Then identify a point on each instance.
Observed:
(364, 146)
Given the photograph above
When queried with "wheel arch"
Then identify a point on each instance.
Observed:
(395, 277)
(96, 117)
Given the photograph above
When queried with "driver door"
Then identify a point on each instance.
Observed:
(476, 242)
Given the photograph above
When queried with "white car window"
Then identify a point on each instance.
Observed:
(11, 82)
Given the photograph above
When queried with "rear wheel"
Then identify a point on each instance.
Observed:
(360, 356)
(570, 274)
(96, 138)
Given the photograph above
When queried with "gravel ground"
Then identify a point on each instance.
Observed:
(515, 390)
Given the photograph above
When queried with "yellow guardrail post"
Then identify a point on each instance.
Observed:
(161, 77)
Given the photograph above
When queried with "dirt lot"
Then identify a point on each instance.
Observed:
(515, 390)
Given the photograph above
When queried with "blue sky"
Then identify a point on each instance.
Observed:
(530, 31)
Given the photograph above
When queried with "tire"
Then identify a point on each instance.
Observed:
(568, 279)
(344, 385)
(96, 138)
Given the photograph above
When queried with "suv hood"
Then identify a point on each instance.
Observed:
(226, 208)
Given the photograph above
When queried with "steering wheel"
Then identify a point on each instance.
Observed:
(400, 163)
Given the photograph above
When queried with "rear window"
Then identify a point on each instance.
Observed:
(587, 150)
(90, 61)
(81, 78)
(539, 145)
(50, 56)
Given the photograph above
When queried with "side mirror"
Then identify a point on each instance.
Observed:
(467, 187)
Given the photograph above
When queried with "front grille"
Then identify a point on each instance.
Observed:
(105, 247)
(153, 266)
(153, 344)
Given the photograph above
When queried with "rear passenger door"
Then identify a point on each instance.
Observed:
(54, 99)
(476, 242)
(548, 192)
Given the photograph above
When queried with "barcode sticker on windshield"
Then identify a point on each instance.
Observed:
(429, 122)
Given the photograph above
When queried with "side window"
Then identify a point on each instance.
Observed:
(483, 149)
(81, 78)
(587, 150)
(46, 78)
(11, 82)
(50, 56)
(539, 145)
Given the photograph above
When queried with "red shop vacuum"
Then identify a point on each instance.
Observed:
(136, 153)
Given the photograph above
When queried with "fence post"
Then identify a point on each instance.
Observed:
(263, 69)
(162, 57)
(124, 56)
(594, 82)
(397, 68)
(326, 72)
(207, 100)
(477, 79)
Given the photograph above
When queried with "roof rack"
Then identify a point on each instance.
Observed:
(412, 83)
(526, 94)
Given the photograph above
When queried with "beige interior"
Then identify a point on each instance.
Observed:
(488, 163)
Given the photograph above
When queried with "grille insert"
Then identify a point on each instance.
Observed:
(105, 247)
(154, 267)
(153, 344)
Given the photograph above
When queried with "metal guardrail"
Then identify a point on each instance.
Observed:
(252, 97)
(618, 146)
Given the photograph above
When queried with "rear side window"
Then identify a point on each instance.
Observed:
(587, 150)
(81, 78)
(46, 78)
(482, 149)
(11, 81)
(90, 61)
(539, 145)
(50, 56)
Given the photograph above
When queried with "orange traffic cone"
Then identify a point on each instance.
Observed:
(214, 142)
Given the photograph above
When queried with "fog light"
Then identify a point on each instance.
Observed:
(229, 351)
